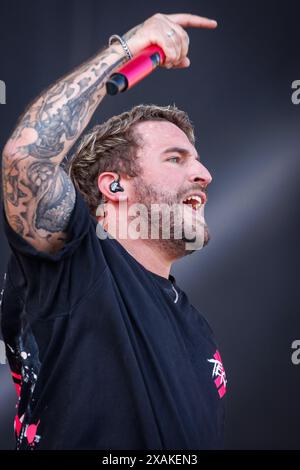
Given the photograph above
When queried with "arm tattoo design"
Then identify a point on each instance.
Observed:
(39, 195)
(55, 206)
(55, 123)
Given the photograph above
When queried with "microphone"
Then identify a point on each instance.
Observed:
(135, 70)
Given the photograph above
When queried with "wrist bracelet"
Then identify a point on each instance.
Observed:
(123, 44)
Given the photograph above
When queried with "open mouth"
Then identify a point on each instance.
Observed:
(194, 201)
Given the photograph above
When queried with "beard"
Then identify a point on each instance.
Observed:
(180, 242)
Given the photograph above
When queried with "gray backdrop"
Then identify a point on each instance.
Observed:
(238, 94)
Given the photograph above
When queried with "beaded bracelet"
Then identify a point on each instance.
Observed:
(123, 44)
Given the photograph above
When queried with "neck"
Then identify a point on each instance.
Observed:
(154, 255)
(148, 255)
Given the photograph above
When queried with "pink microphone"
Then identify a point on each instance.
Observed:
(135, 70)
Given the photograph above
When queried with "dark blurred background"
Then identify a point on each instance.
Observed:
(237, 92)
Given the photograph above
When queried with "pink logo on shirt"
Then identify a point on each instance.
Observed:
(219, 374)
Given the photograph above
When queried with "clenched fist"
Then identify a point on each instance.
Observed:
(167, 32)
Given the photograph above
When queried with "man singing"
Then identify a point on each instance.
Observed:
(105, 349)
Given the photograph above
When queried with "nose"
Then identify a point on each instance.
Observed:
(200, 173)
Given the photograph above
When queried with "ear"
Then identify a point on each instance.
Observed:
(104, 181)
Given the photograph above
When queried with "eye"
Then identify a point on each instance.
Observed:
(174, 158)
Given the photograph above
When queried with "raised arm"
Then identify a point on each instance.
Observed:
(38, 194)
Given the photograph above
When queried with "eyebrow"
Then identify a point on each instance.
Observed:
(183, 151)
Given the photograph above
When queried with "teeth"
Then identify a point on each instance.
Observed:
(195, 198)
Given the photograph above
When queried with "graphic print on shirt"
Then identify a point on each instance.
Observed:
(218, 374)
(28, 364)
(23, 358)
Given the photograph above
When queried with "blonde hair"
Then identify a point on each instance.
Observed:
(112, 146)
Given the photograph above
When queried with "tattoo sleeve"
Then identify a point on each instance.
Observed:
(38, 194)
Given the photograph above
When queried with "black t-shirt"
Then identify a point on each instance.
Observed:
(104, 353)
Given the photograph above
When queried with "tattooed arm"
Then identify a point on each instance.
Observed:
(38, 194)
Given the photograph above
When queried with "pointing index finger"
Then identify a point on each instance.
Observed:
(192, 21)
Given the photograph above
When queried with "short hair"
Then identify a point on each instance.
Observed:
(113, 145)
